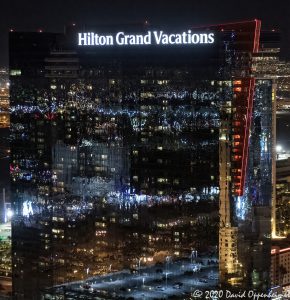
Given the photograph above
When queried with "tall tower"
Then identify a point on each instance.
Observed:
(245, 156)
(227, 232)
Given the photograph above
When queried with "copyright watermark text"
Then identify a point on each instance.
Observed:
(226, 294)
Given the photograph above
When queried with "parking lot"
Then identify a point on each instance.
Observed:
(170, 280)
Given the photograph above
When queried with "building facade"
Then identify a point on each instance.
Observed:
(280, 275)
(128, 154)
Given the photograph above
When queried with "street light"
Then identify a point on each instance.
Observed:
(9, 214)
(279, 150)
(139, 265)
(193, 254)
(166, 274)
(167, 259)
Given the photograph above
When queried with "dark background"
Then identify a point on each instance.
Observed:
(53, 15)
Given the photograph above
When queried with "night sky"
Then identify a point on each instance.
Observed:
(53, 15)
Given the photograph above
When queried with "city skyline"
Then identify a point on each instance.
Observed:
(127, 145)
(145, 149)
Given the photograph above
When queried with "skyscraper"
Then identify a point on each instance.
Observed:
(125, 144)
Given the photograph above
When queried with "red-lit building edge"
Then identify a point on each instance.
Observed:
(243, 90)
(241, 124)
(247, 38)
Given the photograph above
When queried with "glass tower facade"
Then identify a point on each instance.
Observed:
(116, 160)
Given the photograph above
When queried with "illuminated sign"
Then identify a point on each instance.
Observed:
(150, 38)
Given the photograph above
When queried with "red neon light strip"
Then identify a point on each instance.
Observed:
(226, 24)
(250, 100)
(246, 134)
(257, 36)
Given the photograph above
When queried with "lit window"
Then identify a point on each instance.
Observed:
(15, 72)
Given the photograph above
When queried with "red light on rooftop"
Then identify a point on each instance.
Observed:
(40, 30)
(11, 30)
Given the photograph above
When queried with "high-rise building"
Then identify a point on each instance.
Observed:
(283, 193)
(4, 111)
(133, 147)
(4, 99)
(280, 263)
(268, 65)
(246, 171)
